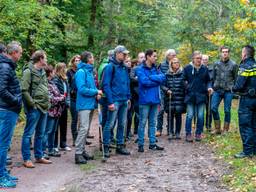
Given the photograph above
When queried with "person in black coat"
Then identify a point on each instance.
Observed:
(174, 105)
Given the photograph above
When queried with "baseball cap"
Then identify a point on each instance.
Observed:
(121, 49)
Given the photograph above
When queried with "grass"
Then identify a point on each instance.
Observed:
(242, 177)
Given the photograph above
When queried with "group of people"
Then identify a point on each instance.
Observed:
(123, 91)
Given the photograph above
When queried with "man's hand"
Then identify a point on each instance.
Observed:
(111, 107)
(210, 91)
(98, 97)
(169, 92)
(100, 92)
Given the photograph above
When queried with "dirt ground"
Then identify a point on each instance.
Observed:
(180, 167)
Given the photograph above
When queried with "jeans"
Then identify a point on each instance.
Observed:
(8, 121)
(178, 122)
(160, 116)
(85, 119)
(247, 124)
(147, 113)
(63, 120)
(192, 111)
(74, 116)
(36, 122)
(49, 135)
(216, 99)
(119, 114)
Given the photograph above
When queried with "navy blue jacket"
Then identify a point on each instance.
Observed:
(198, 81)
(150, 80)
(246, 79)
(10, 92)
(164, 67)
(116, 82)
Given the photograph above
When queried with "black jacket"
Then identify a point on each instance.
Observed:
(10, 92)
(164, 67)
(60, 85)
(175, 83)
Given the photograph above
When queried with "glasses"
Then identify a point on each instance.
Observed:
(77, 60)
(198, 58)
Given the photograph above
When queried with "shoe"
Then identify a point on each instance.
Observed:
(156, 147)
(79, 159)
(43, 161)
(106, 151)
(189, 138)
(141, 149)
(56, 149)
(54, 154)
(87, 156)
(178, 137)
(217, 124)
(158, 133)
(45, 156)
(198, 137)
(121, 150)
(11, 177)
(65, 148)
(226, 127)
(90, 136)
(6, 183)
(88, 143)
(28, 164)
(242, 155)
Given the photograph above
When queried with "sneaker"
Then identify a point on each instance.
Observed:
(121, 150)
(141, 149)
(28, 164)
(65, 148)
(178, 137)
(87, 156)
(11, 177)
(242, 155)
(54, 154)
(156, 147)
(79, 159)
(189, 138)
(6, 183)
(43, 161)
(45, 156)
(198, 137)
(158, 133)
(56, 149)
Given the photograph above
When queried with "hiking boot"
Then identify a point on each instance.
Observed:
(6, 183)
(11, 177)
(54, 154)
(198, 137)
(242, 155)
(28, 164)
(155, 147)
(79, 159)
(43, 161)
(121, 150)
(87, 156)
(158, 133)
(189, 138)
(141, 149)
(217, 124)
(90, 137)
(106, 151)
(226, 127)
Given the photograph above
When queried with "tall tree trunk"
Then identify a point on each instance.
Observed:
(94, 5)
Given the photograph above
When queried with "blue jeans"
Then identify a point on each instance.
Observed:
(74, 116)
(49, 135)
(247, 124)
(192, 111)
(160, 116)
(147, 113)
(36, 122)
(216, 99)
(119, 114)
(8, 121)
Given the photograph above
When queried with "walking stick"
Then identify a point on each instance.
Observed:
(209, 112)
(169, 119)
(101, 135)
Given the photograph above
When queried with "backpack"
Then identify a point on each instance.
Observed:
(102, 76)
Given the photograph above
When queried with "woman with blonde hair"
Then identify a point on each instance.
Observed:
(61, 82)
(73, 93)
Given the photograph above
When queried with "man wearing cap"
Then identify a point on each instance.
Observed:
(116, 87)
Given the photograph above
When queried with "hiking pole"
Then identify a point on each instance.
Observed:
(169, 119)
(209, 112)
(101, 135)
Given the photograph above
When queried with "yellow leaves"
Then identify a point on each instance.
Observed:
(244, 24)
(244, 2)
(185, 51)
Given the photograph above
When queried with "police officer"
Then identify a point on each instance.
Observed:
(246, 86)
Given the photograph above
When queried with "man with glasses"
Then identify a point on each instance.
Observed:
(198, 85)
(116, 87)
(224, 75)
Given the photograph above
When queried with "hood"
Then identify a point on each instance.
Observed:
(170, 71)
(114, 61)
(88, 67)
(5, 59)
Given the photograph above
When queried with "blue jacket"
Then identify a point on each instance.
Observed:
(86, 88)
(246, 79)
(198, 81)
(150, 80)
(116, 82)
(10, 92)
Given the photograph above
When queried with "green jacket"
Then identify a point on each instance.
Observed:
(34, 86)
